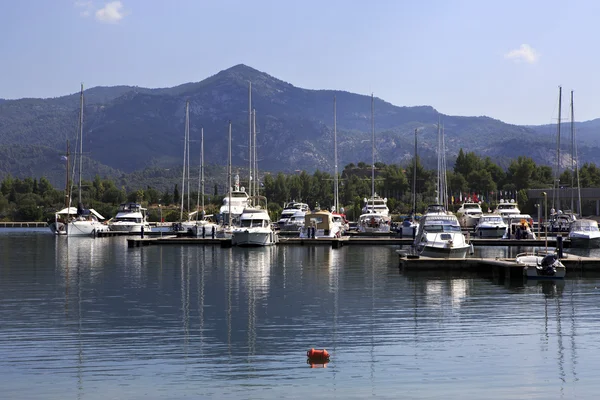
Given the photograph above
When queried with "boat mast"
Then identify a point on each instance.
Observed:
(201, 170)
(185, 151)
(229, 177)
(438, 183)
(250, 138)
(555, 197)
(67, 186)
(335, 159)
(444, 180)
(373, 153)
(255, 166)
(80, 139)
(414, 194)
(574, 161)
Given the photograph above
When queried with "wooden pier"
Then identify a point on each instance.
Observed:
(505, 266)
(23, 224)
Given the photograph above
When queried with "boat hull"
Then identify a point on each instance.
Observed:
(445, 252)
(247, 238)
(129, 227)
(492, 232)
(85, 228)
(585, 242)
(532, 272)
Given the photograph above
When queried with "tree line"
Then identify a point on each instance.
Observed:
(33, 199)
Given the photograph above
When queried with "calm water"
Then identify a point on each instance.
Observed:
(92, 319)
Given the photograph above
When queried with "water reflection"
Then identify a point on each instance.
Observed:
(186, 321)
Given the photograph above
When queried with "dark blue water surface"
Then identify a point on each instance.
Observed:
(92, 319)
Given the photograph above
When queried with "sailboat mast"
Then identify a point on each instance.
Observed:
(444, 180)
(373, 151)
(255, 167)
(335, 159)
(414, 194)
(575, 157)
(67, 184)
(555, 197)
(250, 138)
(80, 139)
(438, 183)
(229, 177)
(185, 150)
(202, 167)
(572, 157)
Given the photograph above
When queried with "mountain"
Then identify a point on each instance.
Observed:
(128, 128)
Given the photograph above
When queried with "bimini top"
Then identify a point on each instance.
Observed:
(319, 219)
(73, 211)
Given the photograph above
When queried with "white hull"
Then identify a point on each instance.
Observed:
(435, 251)
(490, 232)
(85, 228)
(254, 237)
(533, 267)
(584, 241)
(205, 230)
(128, 227)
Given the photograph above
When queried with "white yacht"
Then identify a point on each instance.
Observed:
(320, 224)
(254, 228)
(519, 226)
(292, 217)
(376, 205)
(439, 235)
(584, 233)
(131, 217)
(490, 226)
(468, 214)
(374, 223)
(506, 208)
(204, 226)
(239, 201)
(77, 221)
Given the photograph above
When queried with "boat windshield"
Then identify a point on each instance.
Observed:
(442, 228)
(253, 223)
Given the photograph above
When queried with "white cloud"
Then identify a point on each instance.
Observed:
(111, 13)
(85, 6)
(525, 53)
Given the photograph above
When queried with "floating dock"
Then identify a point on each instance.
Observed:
(506, 266)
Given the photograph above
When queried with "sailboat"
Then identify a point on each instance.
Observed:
(77, 221)
(375, 216)
(439, 233)
(582, 232)
(409, 225)
(559, 220)
(255, 227)
(204, 225)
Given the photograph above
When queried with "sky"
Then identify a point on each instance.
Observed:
(502, 59)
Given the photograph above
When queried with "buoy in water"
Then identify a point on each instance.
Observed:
(317, 363)
(314, 354)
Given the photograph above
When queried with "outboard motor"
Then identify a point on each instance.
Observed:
(548, 263)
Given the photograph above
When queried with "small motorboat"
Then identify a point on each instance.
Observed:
(541, 266)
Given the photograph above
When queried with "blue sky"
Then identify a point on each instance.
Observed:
(503, 59)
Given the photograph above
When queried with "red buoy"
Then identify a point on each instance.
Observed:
(313, 354)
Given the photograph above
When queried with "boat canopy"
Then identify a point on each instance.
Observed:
(73, 211)
(319, 219)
